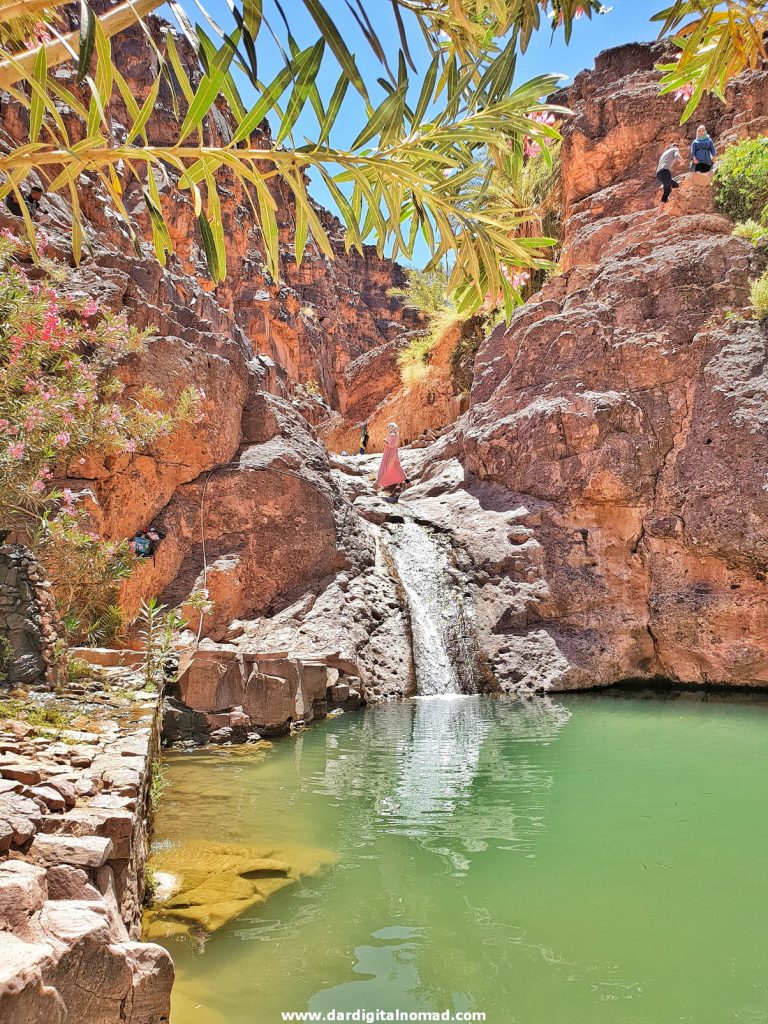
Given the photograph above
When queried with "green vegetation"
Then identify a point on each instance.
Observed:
(6, 657)
(157, 784)
(759, 297)
(36, 714)
(425, 291)
(424, 129)
(715, 45)
(79, 670)
(150, 885)
(741, 181)
(751, 230)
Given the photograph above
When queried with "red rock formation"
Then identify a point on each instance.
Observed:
(615, 428)
(376, 391)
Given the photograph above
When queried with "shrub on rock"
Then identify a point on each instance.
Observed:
(741, 181)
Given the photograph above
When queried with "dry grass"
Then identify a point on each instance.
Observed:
(414, 358)
(759, 297)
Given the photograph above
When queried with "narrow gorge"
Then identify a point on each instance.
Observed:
(586, 510)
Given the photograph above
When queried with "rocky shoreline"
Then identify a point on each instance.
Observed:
(77, 778)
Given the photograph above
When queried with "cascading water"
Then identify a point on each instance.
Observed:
(444, 657)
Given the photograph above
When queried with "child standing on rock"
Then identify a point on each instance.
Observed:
(668, 159)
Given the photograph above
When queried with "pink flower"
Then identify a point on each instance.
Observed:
(38, 486)
(90, 308)
(685, 92)
(81, 399)
(531, 149)
(68, 495)
(544, 117)
(4, 424)
(68, 417)
(45, 472)
(62, 439)
(516, 278)
(16, 450)
(130, 446)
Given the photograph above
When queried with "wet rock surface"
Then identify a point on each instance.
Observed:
(205, 885)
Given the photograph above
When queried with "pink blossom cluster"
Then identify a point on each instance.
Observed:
(40, 36)
(532, 148)
(517, 278)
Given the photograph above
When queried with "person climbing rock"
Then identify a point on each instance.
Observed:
(390, 471)
(145, 544)
(32, 199)
(363, 439)
(703, 151)
(667, 161)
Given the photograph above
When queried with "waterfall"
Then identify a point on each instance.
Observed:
(445, 658)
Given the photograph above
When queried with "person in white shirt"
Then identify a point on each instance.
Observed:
(667, 161)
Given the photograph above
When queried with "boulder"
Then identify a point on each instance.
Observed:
(81, 851)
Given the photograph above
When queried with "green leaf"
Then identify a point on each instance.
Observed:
(427, 89)
(269, 97)
(209, 246)
(228, 88)
(334, 106)
(300, 234)
(331, 34)
(37, 104)
(207, 91)
(137, 128)
(383, 118)
(307, 70)
(252, 15)
(87, 40)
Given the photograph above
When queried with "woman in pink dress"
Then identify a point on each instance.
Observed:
(390, 471)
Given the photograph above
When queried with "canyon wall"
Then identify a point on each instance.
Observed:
(623, 413)
(245, 493)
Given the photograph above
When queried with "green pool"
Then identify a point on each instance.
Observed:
(580, 861)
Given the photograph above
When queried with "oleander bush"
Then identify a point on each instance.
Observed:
(60, 399)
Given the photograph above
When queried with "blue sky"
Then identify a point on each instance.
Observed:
(629, 21)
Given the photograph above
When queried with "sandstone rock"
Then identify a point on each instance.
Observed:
(216, 882)
(152, 981)
(66, 882)
(24, 997)
(65, 788)
(21, 815)
(81, 851)
(23, 892)
(606, 410)
(49, 796)
(28, 774)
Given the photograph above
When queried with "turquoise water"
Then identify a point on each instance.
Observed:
(579, 861)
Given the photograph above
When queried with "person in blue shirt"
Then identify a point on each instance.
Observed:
(703, 151)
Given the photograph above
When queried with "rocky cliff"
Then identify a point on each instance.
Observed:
(603, 493)
(623, 414)
(602, 500)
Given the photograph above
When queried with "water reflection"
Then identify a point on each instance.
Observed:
(541, 862)
(455, 775)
